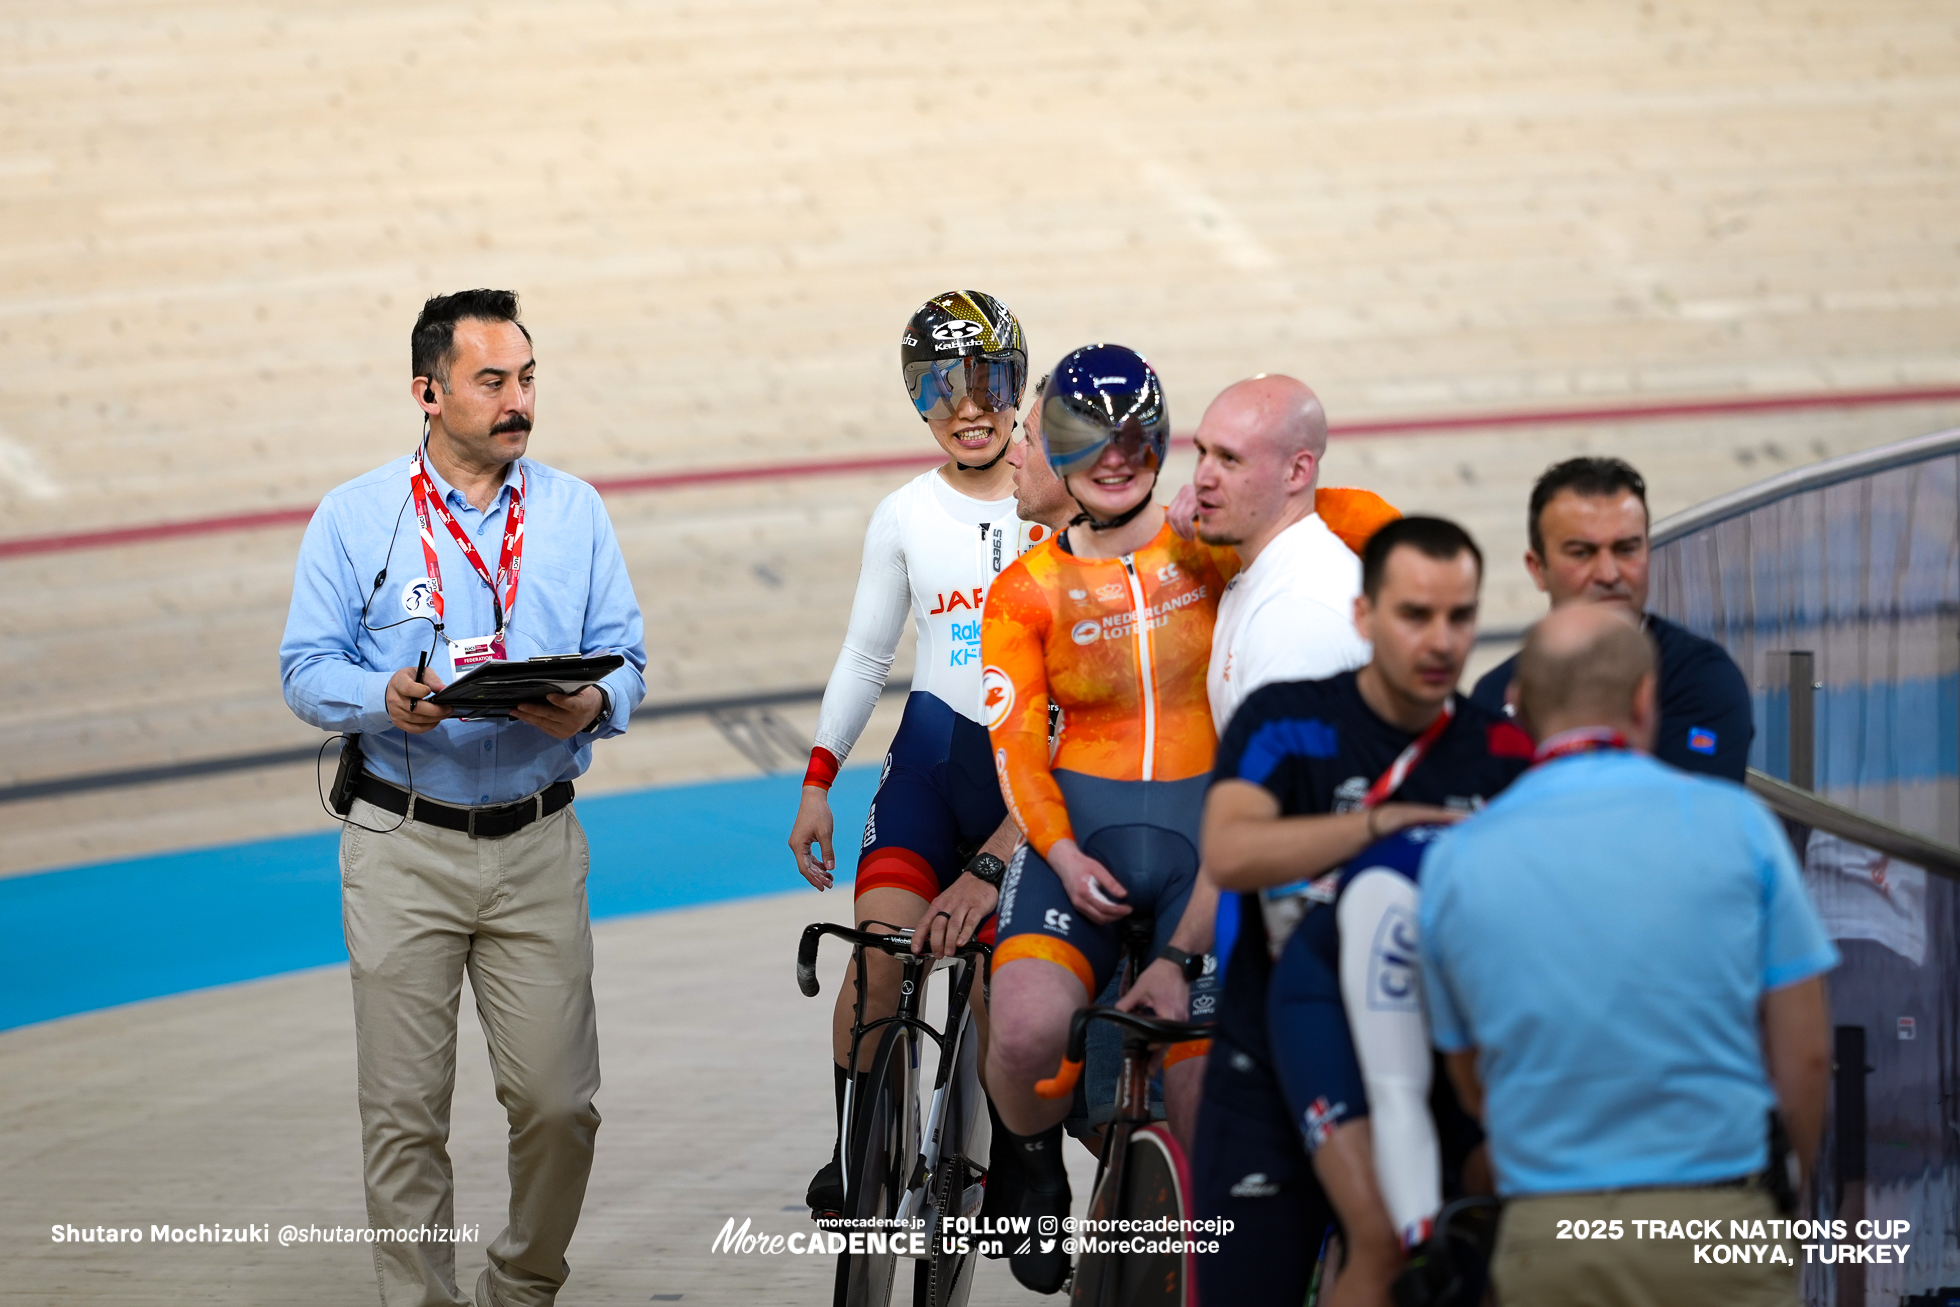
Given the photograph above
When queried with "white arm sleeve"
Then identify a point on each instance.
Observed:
(1381, 987)
(884, 597)
(1288, 638)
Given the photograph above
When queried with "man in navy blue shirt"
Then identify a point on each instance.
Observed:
(1309, 774)
(1589, 545)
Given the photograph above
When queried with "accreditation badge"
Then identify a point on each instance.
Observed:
(474, 649)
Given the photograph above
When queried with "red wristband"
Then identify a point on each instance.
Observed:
(823, 768)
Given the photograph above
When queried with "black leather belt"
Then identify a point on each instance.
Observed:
(477, 823)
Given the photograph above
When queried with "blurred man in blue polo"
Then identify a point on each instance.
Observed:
(462, 852)
(1626, 978)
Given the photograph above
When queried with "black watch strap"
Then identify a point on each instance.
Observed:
(986, 867)
(1191, 964)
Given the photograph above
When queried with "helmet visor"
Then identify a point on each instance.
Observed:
(938, 385)
(1076, 441)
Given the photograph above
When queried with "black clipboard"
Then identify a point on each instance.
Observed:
(493, 689)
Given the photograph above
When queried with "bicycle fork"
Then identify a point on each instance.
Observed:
(946, 1135)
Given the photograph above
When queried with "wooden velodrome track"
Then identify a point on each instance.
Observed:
(220, 218)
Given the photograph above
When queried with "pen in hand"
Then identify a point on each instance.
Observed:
(421, 666)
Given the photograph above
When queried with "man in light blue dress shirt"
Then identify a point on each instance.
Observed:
(1626, 978)
(462, 851)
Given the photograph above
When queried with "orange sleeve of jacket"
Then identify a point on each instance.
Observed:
(1353, 515)
(1014, 689)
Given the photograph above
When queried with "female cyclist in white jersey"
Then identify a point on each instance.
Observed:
(938, 835)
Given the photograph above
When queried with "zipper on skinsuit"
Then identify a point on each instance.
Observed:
(1145, 672)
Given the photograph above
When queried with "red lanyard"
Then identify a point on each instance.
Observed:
(1405, 762)
(1587, 739)
(503, 590)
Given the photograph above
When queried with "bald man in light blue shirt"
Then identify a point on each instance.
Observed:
(1626, 977)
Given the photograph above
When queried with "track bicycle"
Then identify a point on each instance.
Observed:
(903, 1175)
(1141, 1173)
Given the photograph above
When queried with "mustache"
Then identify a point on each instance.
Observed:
(515, 422)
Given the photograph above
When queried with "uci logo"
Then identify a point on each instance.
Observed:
(416, 597)
(956, 331)
(1056, 920)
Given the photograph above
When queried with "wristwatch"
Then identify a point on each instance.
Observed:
(1191, 964)
(605, 709)
(987, 868)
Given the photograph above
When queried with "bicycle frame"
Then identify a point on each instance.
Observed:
(953, 1041)
(1132, 1107)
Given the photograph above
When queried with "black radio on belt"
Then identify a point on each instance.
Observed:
(341, 797)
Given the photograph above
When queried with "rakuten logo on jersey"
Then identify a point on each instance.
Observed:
(996, 697)
(966, 644)
(957, 599)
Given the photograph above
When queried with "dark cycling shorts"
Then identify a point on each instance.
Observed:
(1250, 1167)
(1146, 833)
(937, 802)
(1313, 1050)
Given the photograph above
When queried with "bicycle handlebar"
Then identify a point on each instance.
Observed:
(892, 942)
(1155, 1030)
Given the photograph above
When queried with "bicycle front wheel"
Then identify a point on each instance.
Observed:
(1156, 1185)
(946, 1278)
(874, 1172)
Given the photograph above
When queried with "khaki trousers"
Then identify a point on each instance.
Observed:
(1533, 1267)
(422, 905)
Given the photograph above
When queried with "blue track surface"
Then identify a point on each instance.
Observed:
(94, 936)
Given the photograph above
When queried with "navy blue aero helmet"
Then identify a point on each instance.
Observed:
(1103, 394)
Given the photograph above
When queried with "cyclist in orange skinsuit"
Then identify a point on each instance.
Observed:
(1112, 622)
